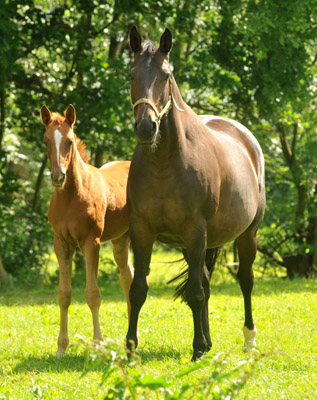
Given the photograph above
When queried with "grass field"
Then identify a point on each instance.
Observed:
(284, 312)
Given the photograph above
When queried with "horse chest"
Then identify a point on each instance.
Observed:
(168, 205)
(78, 219)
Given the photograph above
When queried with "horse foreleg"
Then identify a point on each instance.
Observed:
(195, 294)
(142, 242)
(207, 272)
(91, 251)
(64, 253)
(247, 247)
(121, 256)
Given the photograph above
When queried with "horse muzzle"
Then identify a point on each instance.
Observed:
(58, 179)
(146, 130)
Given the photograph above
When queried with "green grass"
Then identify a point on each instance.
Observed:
(284, 312)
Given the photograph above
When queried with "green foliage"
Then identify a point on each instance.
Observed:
(112, 360)
(250, 60)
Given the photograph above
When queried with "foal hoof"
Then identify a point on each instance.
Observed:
(60, 354)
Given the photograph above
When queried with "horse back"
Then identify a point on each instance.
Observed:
(241, 135)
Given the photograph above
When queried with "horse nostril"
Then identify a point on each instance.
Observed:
(154, 127)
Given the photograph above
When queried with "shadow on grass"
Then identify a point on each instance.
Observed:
(77, 363)
(51, 364)
(160, 354)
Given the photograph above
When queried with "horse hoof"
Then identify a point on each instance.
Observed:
(250, 350)
(197, 356)
(131, 345)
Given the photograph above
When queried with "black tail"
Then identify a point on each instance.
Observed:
(210, 261)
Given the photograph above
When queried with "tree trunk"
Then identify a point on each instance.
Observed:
(3, 273)
(315, 250)
(98, 159)
(2, 116)
(39, 184)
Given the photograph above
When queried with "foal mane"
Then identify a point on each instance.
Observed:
(81, 149)
(57, 119)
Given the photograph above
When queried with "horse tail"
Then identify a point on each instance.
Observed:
(210, 261)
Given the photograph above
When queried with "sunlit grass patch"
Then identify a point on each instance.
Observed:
(284, 312)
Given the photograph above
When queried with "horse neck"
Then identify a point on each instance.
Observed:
(74, 176)
(172, 128)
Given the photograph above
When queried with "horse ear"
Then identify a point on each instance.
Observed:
(70, 115)
(166, 41)
(45, 115)
(135, 40)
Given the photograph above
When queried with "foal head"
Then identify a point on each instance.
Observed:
(59, 138)
(150, 85)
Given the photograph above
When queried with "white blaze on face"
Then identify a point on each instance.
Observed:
(58, 138)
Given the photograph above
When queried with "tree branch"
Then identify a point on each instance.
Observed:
(284, 143)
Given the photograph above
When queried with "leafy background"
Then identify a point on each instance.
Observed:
(254, 61)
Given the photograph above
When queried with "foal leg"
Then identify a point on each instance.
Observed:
(247, 247)
(142, 242)
(64, 253)
(91, 249)
(121, 256)
(195, 295)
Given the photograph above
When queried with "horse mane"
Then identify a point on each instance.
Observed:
(57, 119)
(81, 147)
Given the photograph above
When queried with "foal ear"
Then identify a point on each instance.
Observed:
(45, 115)
(166, 41)
(135, 40)
(70, 115)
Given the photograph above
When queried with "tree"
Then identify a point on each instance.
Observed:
(249, 60)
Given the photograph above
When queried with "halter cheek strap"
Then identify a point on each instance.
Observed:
(166, 108)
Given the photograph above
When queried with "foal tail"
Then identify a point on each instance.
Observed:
(210, 261)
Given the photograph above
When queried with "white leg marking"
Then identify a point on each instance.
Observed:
(58, 138)
(249, 342)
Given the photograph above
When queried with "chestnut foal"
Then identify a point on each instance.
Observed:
(88, 206)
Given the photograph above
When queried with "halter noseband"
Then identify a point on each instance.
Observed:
(166, 108)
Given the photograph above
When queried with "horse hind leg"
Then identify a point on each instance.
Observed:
(247, 247)
(121, 256)
(64, 253)
(209, 266)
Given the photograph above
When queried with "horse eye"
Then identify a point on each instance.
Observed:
(167, 76)
(68, 142)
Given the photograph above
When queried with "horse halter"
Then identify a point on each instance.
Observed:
(166, 108)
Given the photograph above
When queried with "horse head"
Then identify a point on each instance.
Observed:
(151, 85)
(59, 139)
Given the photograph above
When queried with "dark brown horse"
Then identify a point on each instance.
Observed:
(195, 183)
(88, 207)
